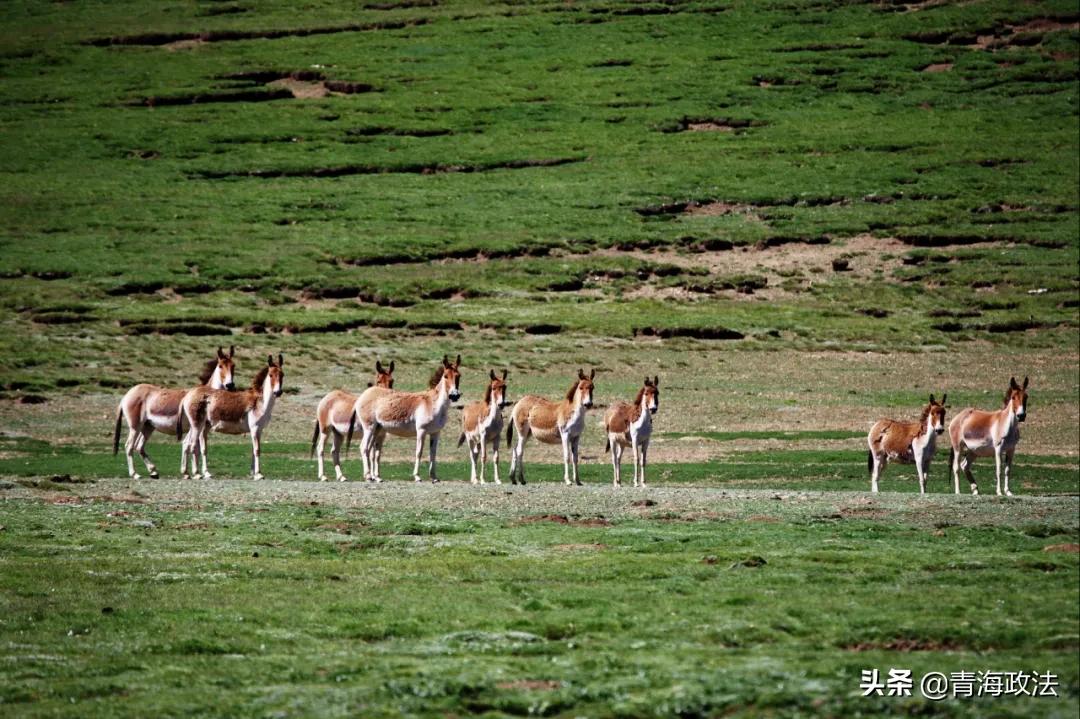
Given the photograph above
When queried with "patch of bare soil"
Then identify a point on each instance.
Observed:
(530, 684)
(938, 67)
(720, 208)
(1069, 548)
(301, 89)
(579, 547)
(903, 645)
(186, 44)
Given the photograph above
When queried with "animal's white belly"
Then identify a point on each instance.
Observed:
(239, 427)
(399, 429)
(162, 422)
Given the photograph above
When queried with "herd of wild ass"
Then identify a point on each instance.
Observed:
(380, 410)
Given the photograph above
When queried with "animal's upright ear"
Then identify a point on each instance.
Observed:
(220, 354)
(491, 373)
(592, 373)
(580, 373)
(445, 361)
(378, 367)
(1012, 383)
(943, 397)
(648, 382)
(458, 363)
(656, 380)
(932, 398)
(270, 360)
(391, 366)
(1025, 383)
(232, 351)
(280, 360)
(504, 375)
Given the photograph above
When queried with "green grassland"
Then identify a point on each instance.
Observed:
(802, 214)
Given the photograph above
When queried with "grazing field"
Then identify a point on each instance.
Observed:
(803, 215)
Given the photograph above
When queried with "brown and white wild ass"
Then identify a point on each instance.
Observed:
(482, 425)
(974, 433)
(244, 412)
(906, 443)
(336, 416)
(630, 425)
(551, 423)
(147, 407)
(421, 415)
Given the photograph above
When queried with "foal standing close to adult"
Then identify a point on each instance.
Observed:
(244, 412)
(407, 414)
(552, 423)
(147, 407)
(975, 433)
(906, 442)
(482, 425)
(630, 425)
(336, 416)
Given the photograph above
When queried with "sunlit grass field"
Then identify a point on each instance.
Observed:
(803, 215)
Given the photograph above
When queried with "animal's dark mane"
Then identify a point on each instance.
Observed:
(207, 371)
(640, 394)
(487, 393)
(435, 379)
(257, 383)
(572, 390)
(925, 414)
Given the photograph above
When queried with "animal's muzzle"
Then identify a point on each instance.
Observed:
(277, 393)
(652, 410)
(455, 396)
(230, 386)
(939, 430)
(505, 403)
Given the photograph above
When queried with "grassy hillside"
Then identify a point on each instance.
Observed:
(807, 175)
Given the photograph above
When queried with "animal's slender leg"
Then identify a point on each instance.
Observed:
(129, 449)
(320, 447)
(875, 472)
(514, 459)
(574, 443)
(920, 472)
(566, 458)
(420, 437)
(365, 450)
(956, 471)
(616, 460)
(997, 467)
(965, 464)
(380, 438)
(635, 451)
(203, 444)
(335, 452)
(144, 436)
(1008, 468)
(256, 450)
(495, 459)
(433, 448)
(518, 460)
(644, 459)
(483, 456)
(474, 450)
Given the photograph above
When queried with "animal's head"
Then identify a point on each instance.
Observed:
(275, 374)
(1016, 398)
(583, 388)
(218, 372)
(384, 376)
(935, 411)
(496, 391)
(650, 394)
(451, 377)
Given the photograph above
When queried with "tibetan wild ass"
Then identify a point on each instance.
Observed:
(407, 414)
(482, 425)
(335, 417)
(975, 433)
(552, 423)
(630, 425)
(244, 412)
(147, 407)
(906, 443)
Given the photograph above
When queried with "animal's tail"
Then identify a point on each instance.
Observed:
(952, 457)
(461, 439)
(869, 461)
(180, 422)
(352, 426)
(116, 432)
(314, 439)
(510, 433)
(607, 445)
